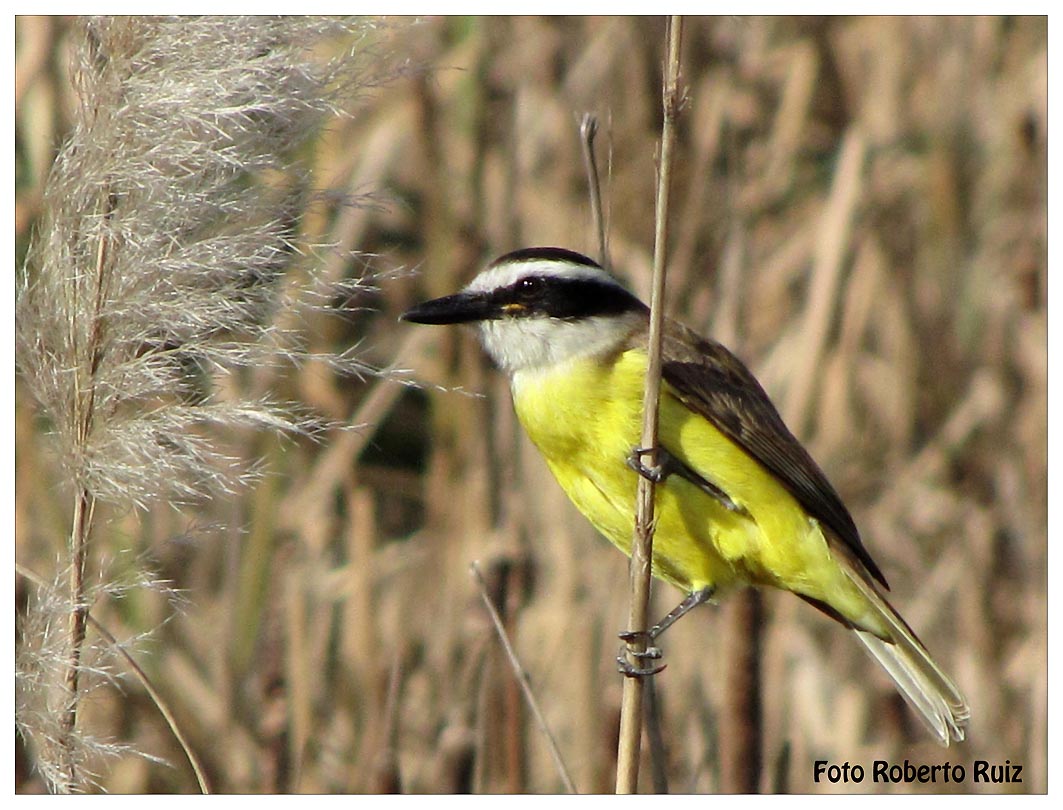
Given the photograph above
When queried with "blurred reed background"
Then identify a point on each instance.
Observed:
(859, 213)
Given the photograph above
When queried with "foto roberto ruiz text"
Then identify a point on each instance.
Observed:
(907, 772)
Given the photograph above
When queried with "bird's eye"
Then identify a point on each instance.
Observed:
(530, 286)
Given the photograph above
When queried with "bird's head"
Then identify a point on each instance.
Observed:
(538, 307)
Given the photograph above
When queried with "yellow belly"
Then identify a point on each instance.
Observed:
(586, 417)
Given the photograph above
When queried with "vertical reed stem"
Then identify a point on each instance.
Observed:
(627, 769)
(84, 506)
(83, 509)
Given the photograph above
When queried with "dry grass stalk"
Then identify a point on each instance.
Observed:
(144, 679)
(522, 679)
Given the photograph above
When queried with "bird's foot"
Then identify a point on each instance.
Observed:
(657, 473)
(650, 653)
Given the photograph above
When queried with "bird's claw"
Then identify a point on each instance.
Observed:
(629, 670)
(657, 474)
(651, 653)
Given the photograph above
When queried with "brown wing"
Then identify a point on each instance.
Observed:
(711, 381)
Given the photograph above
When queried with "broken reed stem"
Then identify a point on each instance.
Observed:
(588, 128)
(522, 678)
(627, 768)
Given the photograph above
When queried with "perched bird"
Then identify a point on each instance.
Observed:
(740, 501)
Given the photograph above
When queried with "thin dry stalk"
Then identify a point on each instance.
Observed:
(522, 678)
(627, 770)
(156, 696)
(84, 505)
(588, 129)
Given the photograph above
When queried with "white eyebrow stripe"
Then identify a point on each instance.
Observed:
(509, 273)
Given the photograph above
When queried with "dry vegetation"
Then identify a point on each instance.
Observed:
(859, 212)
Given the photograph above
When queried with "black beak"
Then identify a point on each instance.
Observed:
(458, 308)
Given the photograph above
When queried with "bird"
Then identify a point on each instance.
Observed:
(740, 502)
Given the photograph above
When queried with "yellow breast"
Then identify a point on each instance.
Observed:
(585, 417)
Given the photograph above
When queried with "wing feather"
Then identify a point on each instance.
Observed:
(711, 381)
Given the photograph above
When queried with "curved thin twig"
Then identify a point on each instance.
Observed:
(523, 680)
(142, 676)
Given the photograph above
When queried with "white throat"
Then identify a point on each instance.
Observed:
(539, 343)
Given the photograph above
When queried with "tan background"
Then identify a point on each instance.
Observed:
(860, 213)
